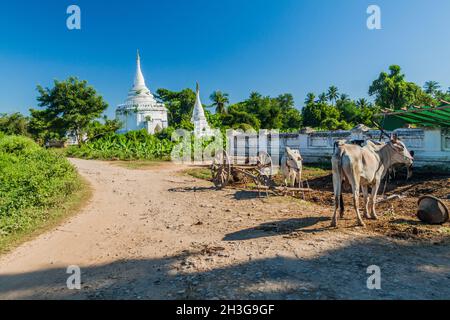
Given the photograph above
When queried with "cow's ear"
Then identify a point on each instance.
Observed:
(394, 138)
(398, 146)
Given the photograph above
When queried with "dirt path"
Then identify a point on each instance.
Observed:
(156, 234)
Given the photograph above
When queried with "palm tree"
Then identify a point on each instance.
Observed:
(344, 98)
(362, 103)
(431, 87)
(255, 96)
(310, 98)
(323, 98)
(333, 94)
(220, 100)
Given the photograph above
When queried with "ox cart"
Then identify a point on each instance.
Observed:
(226, 170)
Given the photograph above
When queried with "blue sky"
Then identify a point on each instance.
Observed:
(237, 46)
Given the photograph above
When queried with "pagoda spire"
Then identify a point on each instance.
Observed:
(139, 81)
(199, 113)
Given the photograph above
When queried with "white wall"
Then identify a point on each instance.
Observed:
(431, 146)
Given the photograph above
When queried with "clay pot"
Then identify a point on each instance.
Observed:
(432, 210)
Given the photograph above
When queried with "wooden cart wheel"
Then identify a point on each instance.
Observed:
(265, 166)
(221, 169)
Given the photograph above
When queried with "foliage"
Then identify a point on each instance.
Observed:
(220, 101)
(337, 112)
(71, 105)
(333, 94)
(33, 180)
(97, 129)
(259, 112)
(179, 105)
(392, 91)
(214, 119)
(14, 124)
(433, 88)
(238, 116)
(315, 114)
(129, 146)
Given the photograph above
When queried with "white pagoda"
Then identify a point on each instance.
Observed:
(141, 110)
(201, 127)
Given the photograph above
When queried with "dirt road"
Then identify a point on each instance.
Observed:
(156, 234)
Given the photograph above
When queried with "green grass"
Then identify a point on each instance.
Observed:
(312, 171)
(199, 173)
(139, 164)
(38, 187)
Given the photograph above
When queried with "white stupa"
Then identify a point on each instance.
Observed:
(141, 110)
(201, 127)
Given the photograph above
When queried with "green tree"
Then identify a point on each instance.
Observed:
(310, 98)
(323, 98)
(362, 103)
(14, 124)
(71, 105)
(333, 94)
(179, 105)
(286, 101)
(266, 109)
(367, 114)
(214, 120)
(237, 116)
(98, 129)
(291, 118)
(431, 87)
(349, 111)
(334, 124)
(220, 101)
(343, 98)
(392, 91)
(315, 113)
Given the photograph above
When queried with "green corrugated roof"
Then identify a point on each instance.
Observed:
(423, 116)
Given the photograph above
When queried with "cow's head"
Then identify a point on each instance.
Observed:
(293, 158)
(401, 154)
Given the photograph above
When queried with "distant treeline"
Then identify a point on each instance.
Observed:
(74, 106)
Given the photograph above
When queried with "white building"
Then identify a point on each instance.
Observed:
(141, 110)
(201, 127)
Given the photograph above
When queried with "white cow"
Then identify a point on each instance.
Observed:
(364, 167)
(291, 167)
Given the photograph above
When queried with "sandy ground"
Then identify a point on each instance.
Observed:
(156, 234)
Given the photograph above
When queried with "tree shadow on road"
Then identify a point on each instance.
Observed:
(192, 189)
(278, 228)
(248, 195)
(408, 271)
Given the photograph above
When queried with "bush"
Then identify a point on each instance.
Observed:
(17, 145)
(134, 145)
(32, 181)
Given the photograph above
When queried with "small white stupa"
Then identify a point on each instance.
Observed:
(201, 127)
(141, 110)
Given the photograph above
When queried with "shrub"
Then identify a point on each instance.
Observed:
(32, 181)
(134, 145)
